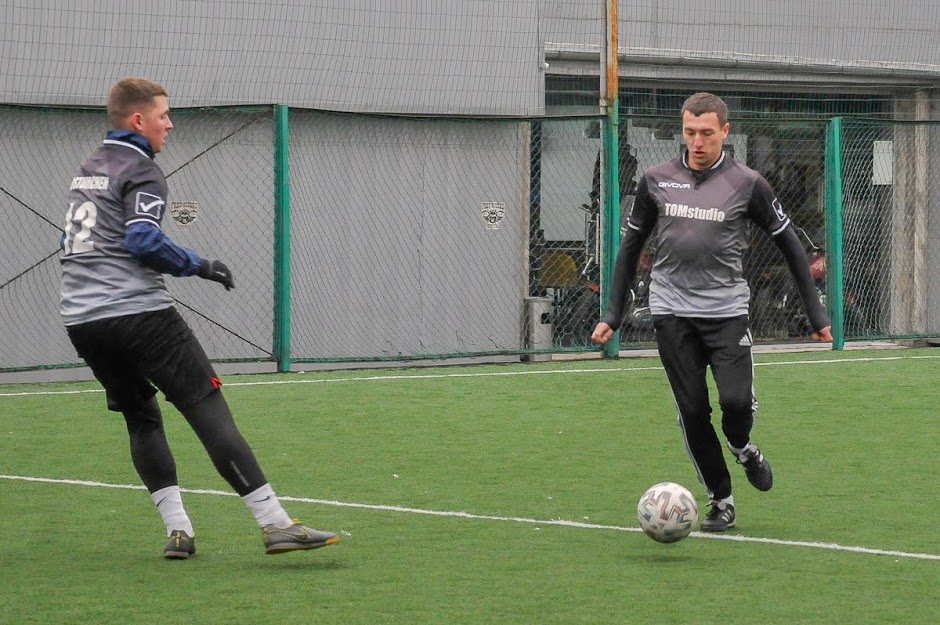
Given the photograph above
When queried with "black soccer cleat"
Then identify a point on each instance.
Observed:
(718, 519)
(756, 468)
(179, 546)
(295, 538)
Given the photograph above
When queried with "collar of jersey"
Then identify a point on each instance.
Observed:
(135, 139)
(718, 163)
(701, 174)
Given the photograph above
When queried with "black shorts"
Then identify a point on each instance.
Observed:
(131, 354)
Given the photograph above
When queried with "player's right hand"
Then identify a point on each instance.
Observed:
(216, 271)
(602, 333)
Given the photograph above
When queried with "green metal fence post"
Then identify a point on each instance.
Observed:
(834, 277)
(281, 239)
(611, 220)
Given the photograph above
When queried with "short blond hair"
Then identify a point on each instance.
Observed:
(129, 95)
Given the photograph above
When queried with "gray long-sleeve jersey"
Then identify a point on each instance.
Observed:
(118, 185)
(703, 221)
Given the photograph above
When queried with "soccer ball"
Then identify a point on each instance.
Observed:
(667, 512)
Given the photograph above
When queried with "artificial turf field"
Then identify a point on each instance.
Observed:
(487, 494)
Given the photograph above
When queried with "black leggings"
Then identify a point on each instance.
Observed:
(212, 421)
(130, 355)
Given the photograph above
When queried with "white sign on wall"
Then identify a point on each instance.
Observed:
(882, 170)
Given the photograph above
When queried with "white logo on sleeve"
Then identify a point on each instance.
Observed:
(149, 205)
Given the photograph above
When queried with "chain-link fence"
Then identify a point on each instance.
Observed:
(565, 270)
(429, 238)
(887, 215)
(408, 238)
(890, 219)
(565, 213)
(40, 148)
(218, 165)
(789, 153)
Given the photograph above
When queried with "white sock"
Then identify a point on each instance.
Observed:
(169, 502)
(724, 503)
(739, 453)
(266, 507)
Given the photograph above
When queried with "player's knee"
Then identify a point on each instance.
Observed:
(695, 420)
(210, 416)
(144, 415)
(736, 406)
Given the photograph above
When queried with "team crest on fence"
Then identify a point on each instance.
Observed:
(492, 213)
(184, 213)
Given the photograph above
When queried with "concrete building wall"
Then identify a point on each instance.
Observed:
(824, 34)
(414, 56)
(440, 56)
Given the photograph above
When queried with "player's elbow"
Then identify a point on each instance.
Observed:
(143, 240)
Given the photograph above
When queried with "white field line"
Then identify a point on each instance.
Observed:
(488, 517)
(486, 374)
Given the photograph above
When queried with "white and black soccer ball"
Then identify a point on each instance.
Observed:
(667, 512)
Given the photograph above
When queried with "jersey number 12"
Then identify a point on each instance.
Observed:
(85, 217)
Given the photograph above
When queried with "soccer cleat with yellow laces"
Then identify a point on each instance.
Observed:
(179, 546)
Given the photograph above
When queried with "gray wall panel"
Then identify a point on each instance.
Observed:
(233, 183)
(391, 256)
(41, 152)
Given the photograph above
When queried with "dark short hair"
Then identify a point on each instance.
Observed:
(701, 103)
(128, 95)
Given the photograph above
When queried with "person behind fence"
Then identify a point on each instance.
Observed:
(627, 164)
(702, 205)
(124, 325)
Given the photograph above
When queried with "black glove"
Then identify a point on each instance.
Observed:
(216, 271)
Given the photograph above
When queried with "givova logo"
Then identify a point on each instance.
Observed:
(674, 185)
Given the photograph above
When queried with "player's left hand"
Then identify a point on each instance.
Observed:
(216, 271)
(823, 336)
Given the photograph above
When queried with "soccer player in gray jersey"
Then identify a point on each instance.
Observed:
(702, 205)
(123, 323)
